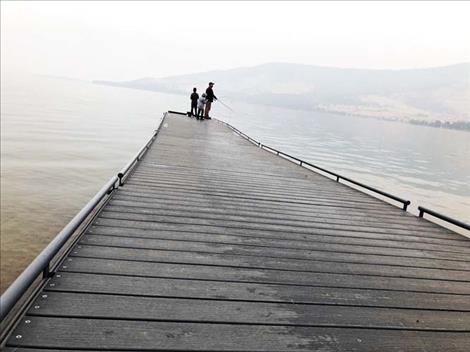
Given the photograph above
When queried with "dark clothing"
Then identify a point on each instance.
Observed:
(210, 95)
(194, 108)
(194, 97)
(200, 113)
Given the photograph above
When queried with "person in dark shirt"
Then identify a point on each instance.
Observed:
(210, 99)
(194, 97)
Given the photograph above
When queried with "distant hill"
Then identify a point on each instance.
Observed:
(420, 95)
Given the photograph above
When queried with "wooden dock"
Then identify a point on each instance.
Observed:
(216, 245)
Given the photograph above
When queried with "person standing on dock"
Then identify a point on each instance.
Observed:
(210, 99)
(194, 97)
(200, 106)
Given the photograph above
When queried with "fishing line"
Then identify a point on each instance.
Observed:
(223, 104)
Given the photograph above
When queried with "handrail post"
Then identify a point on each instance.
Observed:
(111, 189)
(46, 273)
(443, 217)
(405, 205)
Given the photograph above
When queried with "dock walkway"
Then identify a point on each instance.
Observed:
(214, 244)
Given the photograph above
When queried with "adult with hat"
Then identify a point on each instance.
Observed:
(210, 99)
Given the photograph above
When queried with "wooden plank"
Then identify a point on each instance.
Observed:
(221, 179)
(278, 234)
(296, 240)
(252, 217)
(256, 292)
(286, 184)
(264, 188)
(339, 256)
(153, 163)
(231, 222)
(186, 204)
(285, 209)
(293, 245)
(141, 256)
(245, 194)
(126, 335)
(306, 179)
(288, 206)
(79, 305)
(220, 273)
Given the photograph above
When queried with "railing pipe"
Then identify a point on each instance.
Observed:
(423, 210)
(41, 264)
(302, 163)
(135, 159)
(42, 261)
(339, 177)
(398, 199)
(139, 154)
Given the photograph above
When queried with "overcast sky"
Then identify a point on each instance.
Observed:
(127, 40)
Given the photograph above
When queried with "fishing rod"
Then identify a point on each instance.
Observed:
(228, 107)
(233, 110)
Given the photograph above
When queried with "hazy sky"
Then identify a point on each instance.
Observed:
(126, 40)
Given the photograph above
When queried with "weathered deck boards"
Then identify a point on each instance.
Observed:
(214, 244)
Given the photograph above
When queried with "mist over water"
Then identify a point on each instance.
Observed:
(62, 140)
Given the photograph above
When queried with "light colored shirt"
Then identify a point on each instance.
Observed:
(201, 102)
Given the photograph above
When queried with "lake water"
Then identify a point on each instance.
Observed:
(61, 140)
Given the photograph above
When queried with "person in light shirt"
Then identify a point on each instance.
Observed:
(200, 106)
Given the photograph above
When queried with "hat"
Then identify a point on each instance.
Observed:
(211, 83)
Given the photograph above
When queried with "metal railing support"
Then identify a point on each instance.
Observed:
(423, 210)
(46, 272)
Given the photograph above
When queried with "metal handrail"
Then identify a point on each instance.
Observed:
(121, 174)
(423, 210)
(303, 163)
(41, 264)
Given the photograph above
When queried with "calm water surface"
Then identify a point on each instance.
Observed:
(62, 140)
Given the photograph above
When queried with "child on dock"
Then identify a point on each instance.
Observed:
(200, 106)
(194, 98)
